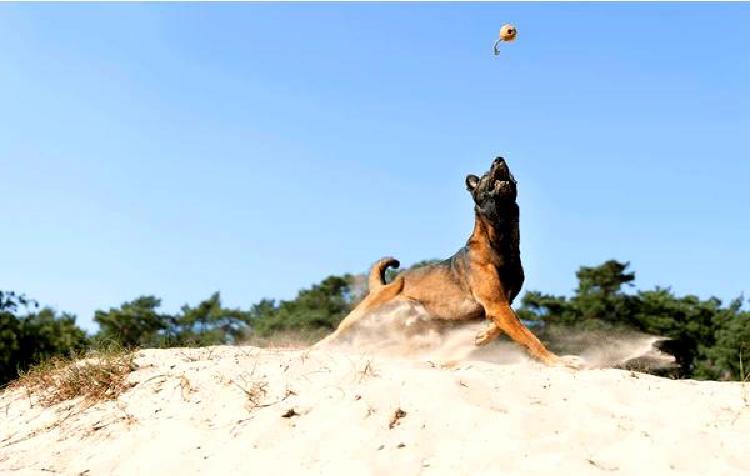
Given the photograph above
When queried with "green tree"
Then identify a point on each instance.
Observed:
(689, 322)
(729, 357)
(539, 308)
(599, 301)
(705, 338)
(322, 306)
(209, 323)
(10, 345)
(29, 335)
(134, 324)
(139, 323)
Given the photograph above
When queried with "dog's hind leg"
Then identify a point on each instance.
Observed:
(375, 299)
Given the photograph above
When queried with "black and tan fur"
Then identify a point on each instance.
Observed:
(481, 280)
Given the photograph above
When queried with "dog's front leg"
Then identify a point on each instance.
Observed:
(488, 291)
(504, 318)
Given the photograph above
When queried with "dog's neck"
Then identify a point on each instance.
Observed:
(499, 235)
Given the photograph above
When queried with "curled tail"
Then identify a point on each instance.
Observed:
(377, 272)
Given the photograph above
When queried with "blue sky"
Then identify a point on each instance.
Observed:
(180, 149)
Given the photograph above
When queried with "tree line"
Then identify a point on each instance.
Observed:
(709, 340)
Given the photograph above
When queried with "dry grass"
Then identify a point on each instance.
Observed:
(256, 393)
(745, 379)
(367, 371)
(298, 339)
(396, 418)
(95, 377)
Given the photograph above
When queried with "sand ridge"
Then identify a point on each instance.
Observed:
(243, 410)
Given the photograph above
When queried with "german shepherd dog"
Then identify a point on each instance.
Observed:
(481, 280)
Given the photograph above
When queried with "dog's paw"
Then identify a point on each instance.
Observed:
(484, 337)
(571, 361)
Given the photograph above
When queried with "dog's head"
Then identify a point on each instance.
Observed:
(495, 192)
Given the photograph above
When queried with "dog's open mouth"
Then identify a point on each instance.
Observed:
(500, 180)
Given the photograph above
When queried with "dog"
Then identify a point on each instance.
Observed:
(481, 280)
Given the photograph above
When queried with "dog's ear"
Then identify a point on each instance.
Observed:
(471, 182)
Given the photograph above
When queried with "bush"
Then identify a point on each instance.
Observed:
(30, 337)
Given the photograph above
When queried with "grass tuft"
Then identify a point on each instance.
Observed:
(97, 376)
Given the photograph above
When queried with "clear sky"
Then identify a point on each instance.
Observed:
(180, 149)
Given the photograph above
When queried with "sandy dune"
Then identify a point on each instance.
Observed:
(243, 410)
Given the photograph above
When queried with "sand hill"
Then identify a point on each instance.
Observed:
(245, 410)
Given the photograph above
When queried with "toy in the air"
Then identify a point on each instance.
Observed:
(508, 32)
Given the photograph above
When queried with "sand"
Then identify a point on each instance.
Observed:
(245, 410)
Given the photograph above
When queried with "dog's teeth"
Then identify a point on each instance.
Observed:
(500, 184)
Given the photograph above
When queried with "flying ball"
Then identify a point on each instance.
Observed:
(508, 32)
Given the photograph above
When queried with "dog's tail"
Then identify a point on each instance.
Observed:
(377, 272)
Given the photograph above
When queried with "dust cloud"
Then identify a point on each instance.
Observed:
(405, 329)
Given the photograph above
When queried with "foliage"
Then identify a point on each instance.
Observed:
(708, 340)
(135, 323)
(729, 356)
(29, 335)
(705, 338)
(139, 324)
(209, 323)
(320, 307)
